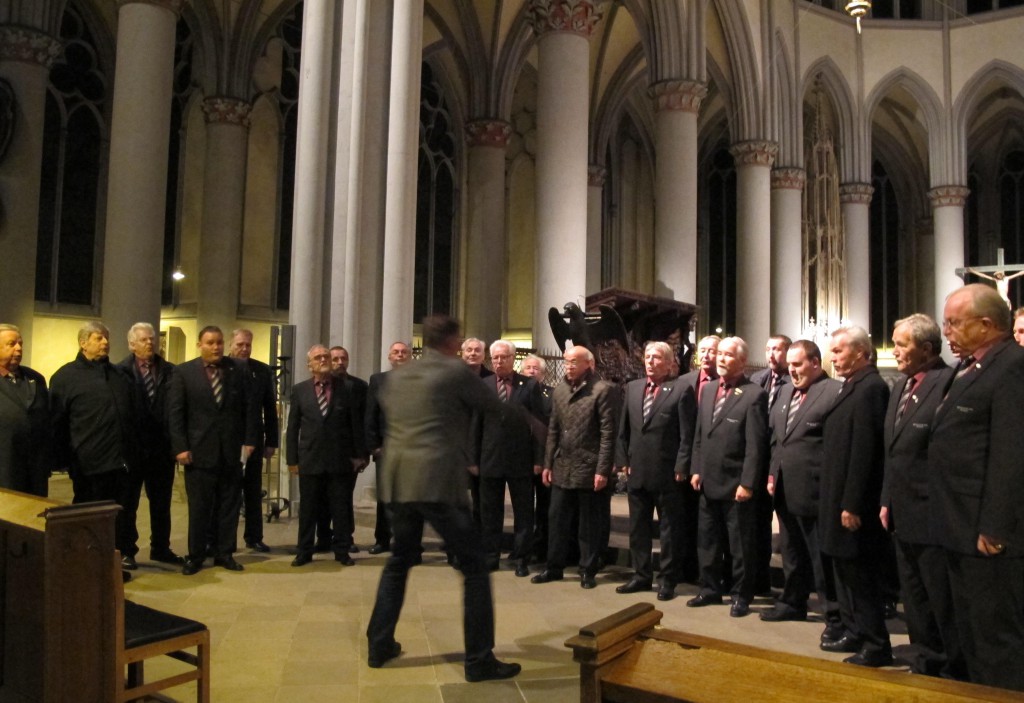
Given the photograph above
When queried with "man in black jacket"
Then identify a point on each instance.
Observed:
(25, 461)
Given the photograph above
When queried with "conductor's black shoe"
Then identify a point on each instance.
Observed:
(740, 607)
(846, 643)
(832, 632)
(229, 563)
(873, 658)
(376, 660)
(302, 560)
(702, 599)
(491, 671)
(257, 546)
(546, 576)
(191, 567)
(128, 563)
(166, 556)
(667, 591)
(522, 570)
(379, 549)
(588, 581)
(634, 585)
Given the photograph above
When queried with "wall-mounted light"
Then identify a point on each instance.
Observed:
(857, 9)
(178, 274)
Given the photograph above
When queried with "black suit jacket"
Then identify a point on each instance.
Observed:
(321, 444)
(905, 486)
(854, 461)
(260, 379)
(154, 434)
(976, 456)
(658, 449)
(214, 435)
(509, 443)
(25, 441)
(763, 378)
(732, 450)
(797, 451)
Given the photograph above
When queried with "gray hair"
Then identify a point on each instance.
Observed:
(588, 355)
(241, 330)
(718, 340)
(741, 346)
(139, 327)
(986, 302)
(538, 359)
(4, 327)
(309, 354)
(664, 347)
(923, 330)
(470, 340)
(90, 328)
(858, 338)
(509, 346)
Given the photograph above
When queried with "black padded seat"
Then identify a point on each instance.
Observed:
(144, 625)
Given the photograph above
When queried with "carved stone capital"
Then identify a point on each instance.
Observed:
(944, 196)
(858, 193)
(574, 16)
(28, 45)
(788, 178)
(221, 110)
(678, 95)
(172, 5)
(755, 152)
(486, 132)
(596, 175)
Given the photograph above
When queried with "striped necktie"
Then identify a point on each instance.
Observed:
(908, 390)
(723, 393)
(648, 398)
(216, 384)
(502, 389)
(147, 380)
(794, 405)
(321, 397)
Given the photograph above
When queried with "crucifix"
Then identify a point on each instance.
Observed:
(997, 274)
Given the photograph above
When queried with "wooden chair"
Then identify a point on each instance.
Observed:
(144, 633)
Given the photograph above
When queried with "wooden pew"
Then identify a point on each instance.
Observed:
(629, 658)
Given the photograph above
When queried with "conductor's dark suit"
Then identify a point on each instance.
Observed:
(507, 445)
(921, 563)
(852, 481)
(729, 451)
(323, 447)
(657, 451)
(25, 461)
(976, 486)
(796, 466)
(215, 436)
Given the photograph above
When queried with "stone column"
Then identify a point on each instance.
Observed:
(855, 200)
(596, 175)
(220, 246)
(486, 246)
(26, 56)
(753, 239)
(563, 102)
(948, 215)
(924, 273)
(307, 294)
(677, 104)
(137, 181)
(403, 149)
(787, 252)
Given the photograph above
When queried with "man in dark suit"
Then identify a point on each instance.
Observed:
(578, 462)
(474, 354)
(535, 367)
(905, 508)
(507, 450)
(399, 354)
(429, 407)
(851, 486)
(260, 380)
(326, 449)
(150, 376)
(730, 455)
(214, 430)
(976, 486)
(24, 420)
(797, 425)
(655, 438)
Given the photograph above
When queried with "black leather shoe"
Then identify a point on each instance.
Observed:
(588, 581)
(229, 563)
(522, 570)
(492, 671)
(344, 559)
(667, 591)
(191, 567)
(379, 549)
(832, 632)
(128, 563)
(702, 599)
(846, 643)
(634, 585)
(353, 549)
(302, 560)
(873, 658)
(166, 556)
(740, 607)
(782, 614)
(257, 546)
(546, 576)
(376, 660)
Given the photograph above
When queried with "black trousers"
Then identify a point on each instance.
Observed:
(804, 567)
(762, 562)
(252, 492)
(382, 528)
(461, 535)
(330, 493)
(492, 515)
(567, 504)
(988, 609)
(862, 600)
(542, 506)
(726, 524)
(671, 525)
(109, 485)
(157, 475)
(214, 499)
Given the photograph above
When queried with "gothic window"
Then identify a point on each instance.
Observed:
(74, 141)
(435, 203)
(1011, 214)
(719, 286)
(885, 256)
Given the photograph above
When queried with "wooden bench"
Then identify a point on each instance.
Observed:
(629, 658)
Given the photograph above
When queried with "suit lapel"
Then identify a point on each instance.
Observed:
(664, 391)
(11, 392)
(960, 385)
